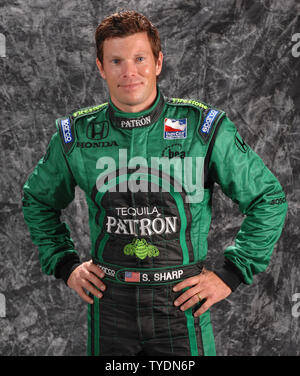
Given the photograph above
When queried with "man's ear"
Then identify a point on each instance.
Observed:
(100, 68)
(159, 63)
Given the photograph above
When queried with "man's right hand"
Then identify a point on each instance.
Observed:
(87, 277)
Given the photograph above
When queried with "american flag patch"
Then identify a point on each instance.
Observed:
(132, 277)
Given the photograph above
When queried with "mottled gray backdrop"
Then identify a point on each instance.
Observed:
(242, 56)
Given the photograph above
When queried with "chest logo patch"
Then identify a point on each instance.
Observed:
(141, 249)
(175, 129)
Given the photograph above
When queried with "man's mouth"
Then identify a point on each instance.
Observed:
(129, 86)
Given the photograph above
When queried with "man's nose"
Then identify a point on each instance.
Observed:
(129, 68)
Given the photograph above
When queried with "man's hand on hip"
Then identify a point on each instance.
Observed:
(205, 286)
(87, 277)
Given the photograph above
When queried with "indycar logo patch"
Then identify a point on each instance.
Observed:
(175, 129)
(66, 130)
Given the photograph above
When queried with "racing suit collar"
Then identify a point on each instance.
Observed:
(129, 120)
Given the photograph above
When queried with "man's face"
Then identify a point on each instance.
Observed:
(130, 71)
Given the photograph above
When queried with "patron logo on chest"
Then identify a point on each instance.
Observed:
(140, 222)
(134, 123)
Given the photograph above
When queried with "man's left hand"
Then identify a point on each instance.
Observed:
(206, 285)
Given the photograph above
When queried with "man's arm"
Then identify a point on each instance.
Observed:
(244, 178)
(48, 190)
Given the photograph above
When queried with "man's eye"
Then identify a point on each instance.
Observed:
(140, 58)
(115, 61)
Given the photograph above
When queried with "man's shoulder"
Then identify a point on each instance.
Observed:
(188, 102)
(209, 116)
(89, 110)
(68, 120)
(66, 125)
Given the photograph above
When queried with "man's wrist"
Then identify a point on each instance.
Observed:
(66, 266)
(230, 275)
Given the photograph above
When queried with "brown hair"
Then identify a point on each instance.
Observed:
(123, 24)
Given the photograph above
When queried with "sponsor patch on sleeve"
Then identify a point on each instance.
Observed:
(66, 130)
(240, 143)
(208, 121)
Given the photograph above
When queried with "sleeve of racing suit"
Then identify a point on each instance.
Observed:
(243, 176)
(48, 190)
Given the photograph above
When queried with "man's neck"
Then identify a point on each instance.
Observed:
(129, 108)
(143, 118)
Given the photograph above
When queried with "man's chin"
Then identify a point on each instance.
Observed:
(134, 97)
(132, 101)
(136, 101)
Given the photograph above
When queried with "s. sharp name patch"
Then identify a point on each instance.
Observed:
(66, 130)
(208, 121)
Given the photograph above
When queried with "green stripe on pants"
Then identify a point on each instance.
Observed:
(190, 323)
(96, 326)
(89, 346)
(207, 334)
(93, 328)
(191, 331)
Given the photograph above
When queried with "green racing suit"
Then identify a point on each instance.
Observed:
(148, 178)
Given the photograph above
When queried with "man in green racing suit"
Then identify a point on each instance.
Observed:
(148, 177)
